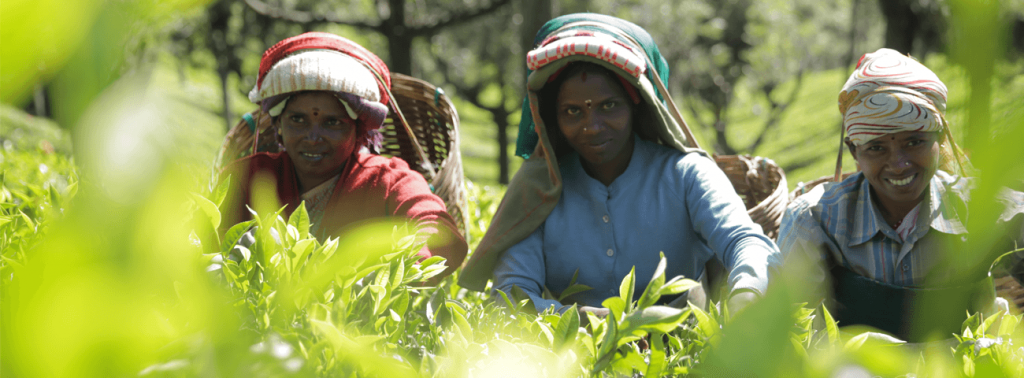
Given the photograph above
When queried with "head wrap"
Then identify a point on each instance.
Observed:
(317, 61)
(591, 37)
(619, 46)
(889, 93)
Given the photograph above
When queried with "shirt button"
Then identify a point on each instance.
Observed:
(906, 267)
(606, 219)
(610, 252)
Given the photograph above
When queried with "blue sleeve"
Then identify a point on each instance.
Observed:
(717, 213)
(523, 265)
(800, 238)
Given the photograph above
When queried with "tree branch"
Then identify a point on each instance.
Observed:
(302, 17)
(457, 18)
(778, 109)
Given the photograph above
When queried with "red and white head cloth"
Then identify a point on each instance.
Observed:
(587, 43)
(317, 61)
(889, 93)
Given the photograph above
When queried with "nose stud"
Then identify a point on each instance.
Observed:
(588, 103)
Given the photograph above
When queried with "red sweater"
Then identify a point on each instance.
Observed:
(370, 187)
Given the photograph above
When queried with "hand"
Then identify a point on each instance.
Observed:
(600, 312)
(739, 301)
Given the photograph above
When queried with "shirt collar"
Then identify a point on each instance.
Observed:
(942, 209)
(947, 209)
(865, 218)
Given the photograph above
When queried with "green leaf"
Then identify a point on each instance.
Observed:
(577, 288)
(54, 197)
(234, 234)
(627, 363)
(608, 343)
(300, 220)
(871, 338)
(568, 327)
(301, 251)
(615, 305)
(972, 322)
(626, 288)
(983, 328)
(707, 325)
(28, 221)
(220, 191)
(209, 209)
(1008, 325)
(662, 319)
(652, 292)
(658, 361)
(677, 285)
(830, 326)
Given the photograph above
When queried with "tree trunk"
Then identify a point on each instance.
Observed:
(228, 117)
(500, 117)
(535, 13)
(901, 24)
(399, 39)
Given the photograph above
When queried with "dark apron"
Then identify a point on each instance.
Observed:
(910, 313)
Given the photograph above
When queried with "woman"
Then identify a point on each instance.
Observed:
(328, 98)
(882, 231)
(608, 183)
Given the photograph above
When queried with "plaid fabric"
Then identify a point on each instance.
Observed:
(838, 223)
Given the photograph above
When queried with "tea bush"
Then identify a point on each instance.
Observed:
(268, 300)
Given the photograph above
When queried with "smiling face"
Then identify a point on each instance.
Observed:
(899, 167)
(595, 115)
(318, 135)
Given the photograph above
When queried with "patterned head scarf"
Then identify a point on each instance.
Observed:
(317, 61)
(889, 93)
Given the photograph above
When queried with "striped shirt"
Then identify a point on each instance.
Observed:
(839, 222)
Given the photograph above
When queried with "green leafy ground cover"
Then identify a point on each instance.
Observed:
(95, 287)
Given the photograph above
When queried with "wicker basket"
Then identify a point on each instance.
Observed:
(435, 124)
(430, 116)
(762, 185)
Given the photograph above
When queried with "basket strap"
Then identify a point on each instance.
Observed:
(839, 158)
(673, 110)
(427, 164)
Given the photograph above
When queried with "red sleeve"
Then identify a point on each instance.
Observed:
(409, 196)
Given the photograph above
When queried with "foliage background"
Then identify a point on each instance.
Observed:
(105, 189)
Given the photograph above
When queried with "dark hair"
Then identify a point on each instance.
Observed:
(547, 99)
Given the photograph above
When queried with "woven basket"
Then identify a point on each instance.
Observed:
(762, 185)
(435, 124)
(432, 119)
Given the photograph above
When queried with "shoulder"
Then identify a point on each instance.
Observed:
(382, 166)
(390, 172)
(262, 161)
(825, 199)
(670, 159)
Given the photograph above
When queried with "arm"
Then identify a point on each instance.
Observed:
(523, 266)
(718, 215)
(409, 197)
(800, 239)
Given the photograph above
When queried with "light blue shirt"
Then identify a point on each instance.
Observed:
(665, 201)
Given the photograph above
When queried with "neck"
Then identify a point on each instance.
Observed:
(894, 211)
(608, 171)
